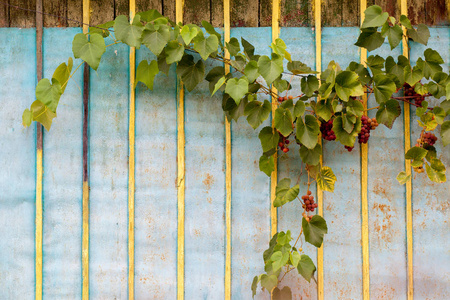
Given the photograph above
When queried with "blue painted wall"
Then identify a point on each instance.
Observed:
(156, 191)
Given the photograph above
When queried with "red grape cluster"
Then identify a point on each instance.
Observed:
(367, 125)
(308, 201)
(349, 149)
(285, 98)
(410, 92)
(429, 138)
(327, 130)
(283, 144)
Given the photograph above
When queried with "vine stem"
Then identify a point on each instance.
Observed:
(65, 83)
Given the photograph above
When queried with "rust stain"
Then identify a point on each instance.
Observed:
(209, 180)
(384, 226)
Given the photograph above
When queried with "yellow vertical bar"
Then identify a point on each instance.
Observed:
(131, 164)
(409, 229)
(226, 24)
(181, 172)
(274, 175)
(318, 30)
(85, 238)
(364, 179)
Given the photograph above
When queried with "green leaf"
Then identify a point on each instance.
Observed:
(283, 238)
(269, 138)
(279, 47)
(393, 33)
(102, 29)
(308, 132)
(213, 77)
(438, 88)
(269, 282)
(219, 84)
(281, 85)
(266, 164)
(432, 63)
(445, 133)
(396, 69)
(416, 154)
(237, 88)
(324, 109)
(297, 67)
(156, 37)
(383, 88)
(284, 193)
(188, 33)
(283, 294)
(354, 107)
(249, 49)
(233, 46)
(403, 178)
(27, 117)
(257, 112)
(446, 104)
(254, 285)
(128, 33)
(150, 15)
(283, 121)
(162, 63)
(49, 93)
(191, 73)
(251, 71)
(348, 84)
(233, 111)
(174, 52)
(146, 73)
(421, 35)
(436, 171)
(279, 260)
(348, 122)
(270, 69)
(299, 109)
(345, 138)
(421, 89)
(311, 156)
(314, 230)
(62, 73)
(428, 121)
(306, 267)
(439, 114)
(375, 63)
(90, 51)
(309, 85)
(388, 112)
(206, 46)
(370, 39)
(362, 72)
(412, 76)
(405, 21)
(210, 29)
(295, 258)
(326, 179)
(42, 114)
(374, 17)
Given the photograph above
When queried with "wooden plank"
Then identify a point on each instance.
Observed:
(195, 11)
(350, 13)
(340, 13)
(265, 13)
(169, 9)
(4, 14)
(102, 11)
(436, 12)
(22, 18)
(217, 13)
(144, 5)
(244, 13)
(55, 13)
(74, 12)
(121, 7)
(296, 13)
(392, 7)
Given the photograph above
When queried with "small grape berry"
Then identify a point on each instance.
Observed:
(367, 125)
(285, 150)
(327, 130)
(349, 149)
(290, 97)
(429, 138)
(308, 202)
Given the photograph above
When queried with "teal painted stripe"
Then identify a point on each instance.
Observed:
(342, 209)
(431, 201)
(300, 43)
(62, 218)
(251, 191)
(156, 191)
(17, 164)
(108, 156)
(387, 205)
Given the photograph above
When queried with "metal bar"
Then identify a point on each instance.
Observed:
(364, 182)
(131, 162)
(85, 237)
(226, 23)
(274, 175)
(318, 31)
(39, 161)
(181, 172)
(407, 130)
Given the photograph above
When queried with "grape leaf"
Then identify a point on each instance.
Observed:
(326, 179)
(405, 21)
(384, 88)
(393, 33)
(283, 121)
(128, 33)
(347, 139)
(42, 114)
(49, 93)
(146, 73)
(306, 267)
(283, 294)
(150, 15)
(421, 35)
(257, 112)
(374, 17)
(347, 84)
(436, 171)
(269, 138)
(370, 39)
(251, 71)
(308, 132)
(102, 29)
(188, 33)
(27, 117)
(90, 51)
(403, 178)
(388, 112)
(266, 164)
(237, 88)
(174, 52)
(311, 156)
(191, 72)
(314, 230)
(269, 282)
(445, 133)
(206, 46)
(284, 193)
(156, 38)
(297, 67)
(270, 69)
(62, 73)
(233, 46)
(309, 85)
(299, 109)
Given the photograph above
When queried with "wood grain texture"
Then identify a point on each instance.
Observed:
(169, 9)
(74, 12)
(217, 13)
(4, 15)
(244, 13)
(144, 5)
(265, 13)
(391, 6)
(58, 13)
(22, 18)
(338, 13)
(296, 13)
(195, 11)
(121, 7)
(102, 11)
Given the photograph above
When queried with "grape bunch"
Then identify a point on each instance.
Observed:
(429, 139)
(285, 98)
(327, 130)
(283, 144)
(410, 92)
(349, 149)
(308, 202)
(368, 124)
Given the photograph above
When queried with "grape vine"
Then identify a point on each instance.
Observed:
(332, 105)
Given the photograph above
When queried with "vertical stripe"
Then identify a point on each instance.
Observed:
(131, 163)
(181, 172)
(39, 162)
(273, 176)
(226, 23)
(318, 30)
(85, 237)
(409, 233)
(364, 178)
